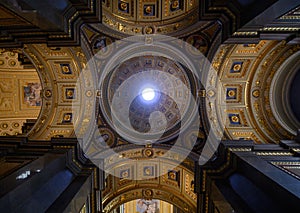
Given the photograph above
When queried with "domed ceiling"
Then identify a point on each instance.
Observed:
(256, 80)
(149, 17)
(126, 86)
(198, 23)
(234, 65)
(293, 95)
(129, 106)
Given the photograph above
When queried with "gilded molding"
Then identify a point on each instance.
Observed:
(63, 65)
(240, 149)
(138, 17)
(251, 113)
(281, 29)
(271, 153)
(245, 33)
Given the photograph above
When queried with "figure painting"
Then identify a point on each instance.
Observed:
(147, 206)
(102, 46)
(198, 42)
(32, 94)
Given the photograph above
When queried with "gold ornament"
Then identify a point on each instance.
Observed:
(237, 67)
(231, 93)
(256, 93)
(235, 119)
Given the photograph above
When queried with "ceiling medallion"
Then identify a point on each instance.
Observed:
(89, 93)
(98, 93)
(48, 93)
(148, 152)
(231, 93)
(147, 193)
(235, 119)
(149, 30)
(123, 6)
(256, 93)
(4, 126)
(237, 67)
(148, 10)
(175, 4)
(211, 93)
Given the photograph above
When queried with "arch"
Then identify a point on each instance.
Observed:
(58, 69)
(281, 102)
(132, 174)
(20, 88)
(248, 76)
(183, 204)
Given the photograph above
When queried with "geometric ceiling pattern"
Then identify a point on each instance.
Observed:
(239, 96)
(148, 17)
(244, 94)
(20, 89)
(58, 69)
(247, 74)
(175, 186)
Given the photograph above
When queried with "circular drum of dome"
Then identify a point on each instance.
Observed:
(148, 98)
(284, 90)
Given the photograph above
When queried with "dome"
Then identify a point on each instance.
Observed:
(138, 118)
(149, 17)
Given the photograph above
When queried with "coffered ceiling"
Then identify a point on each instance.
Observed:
(214, 69)
(203, 24)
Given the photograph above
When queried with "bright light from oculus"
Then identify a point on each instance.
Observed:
(148, 94)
